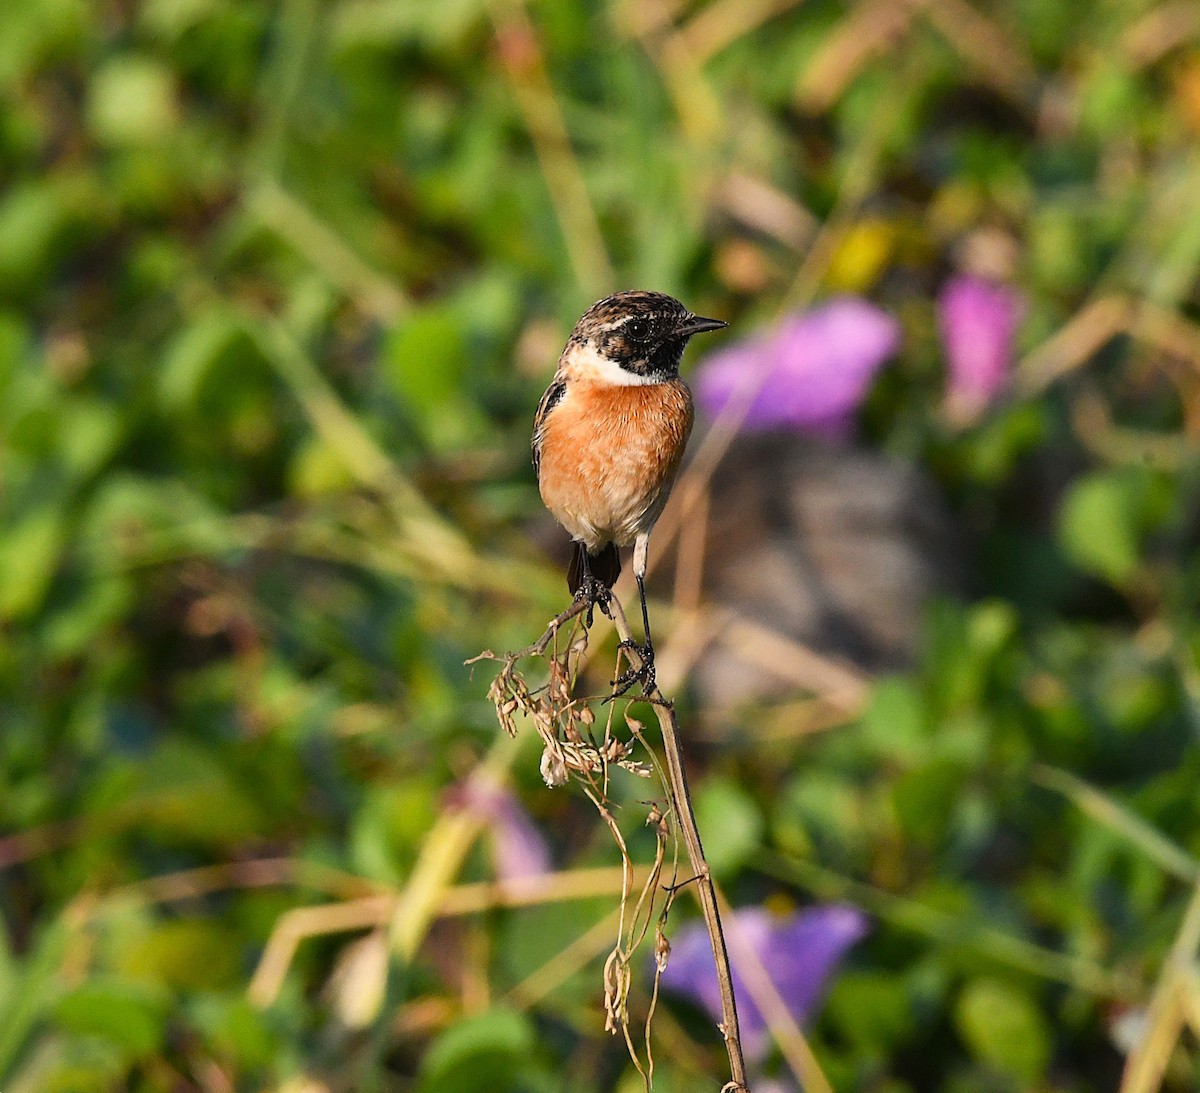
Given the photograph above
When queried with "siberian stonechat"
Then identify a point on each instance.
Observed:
(609, 436)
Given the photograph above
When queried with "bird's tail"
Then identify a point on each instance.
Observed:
(605, 566)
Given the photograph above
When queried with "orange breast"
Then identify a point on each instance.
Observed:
(609, 455)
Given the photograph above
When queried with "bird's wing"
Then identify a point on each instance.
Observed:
(550, 399)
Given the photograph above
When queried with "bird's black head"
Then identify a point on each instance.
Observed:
(642, 333)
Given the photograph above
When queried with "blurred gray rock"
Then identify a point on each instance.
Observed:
(836, 547)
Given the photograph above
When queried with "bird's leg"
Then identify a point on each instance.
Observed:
(644, 672)
(593, 591)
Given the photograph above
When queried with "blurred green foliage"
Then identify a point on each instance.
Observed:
(280, 284)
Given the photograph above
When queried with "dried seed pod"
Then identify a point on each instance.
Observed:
(662, 949)
(553, 768)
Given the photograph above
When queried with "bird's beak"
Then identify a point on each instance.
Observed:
(697, 324)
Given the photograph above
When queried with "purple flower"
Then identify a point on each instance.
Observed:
(978, 320)
(810, 372)
(799, 951)
(518, 850)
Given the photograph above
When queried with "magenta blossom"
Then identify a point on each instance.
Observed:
(800, 953)
(518, 850)
(978, 321)
(810, 372)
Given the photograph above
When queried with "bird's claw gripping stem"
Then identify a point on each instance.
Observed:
(595, 593)
(642, 672)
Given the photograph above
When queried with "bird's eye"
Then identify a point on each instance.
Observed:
(637, 329)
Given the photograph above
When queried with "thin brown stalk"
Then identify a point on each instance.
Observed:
(1159, 31)
(559, 719)
(681, 804)
(985, 46)
(793, 1044)
(1147, 1063)
(699, 108)
(720, 24)
(1089, 330)
(871, 29)
(689, 559)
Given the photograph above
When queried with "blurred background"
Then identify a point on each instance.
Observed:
(280, 287)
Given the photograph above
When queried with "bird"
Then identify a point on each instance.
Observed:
(608, 438)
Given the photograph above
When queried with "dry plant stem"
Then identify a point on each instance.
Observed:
(546, 708)
(681, 804)
(1147, 1064)
(784, 1029)
(442, 854)
(377, 910)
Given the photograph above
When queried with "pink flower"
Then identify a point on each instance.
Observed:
(810, 372)
(800, 953)
(978, 321)
(518, 850)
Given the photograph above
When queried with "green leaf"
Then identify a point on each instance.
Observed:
(438, 25)
(184, 954)
(33, 29)
(128, 511)
(129, 1016)
(388, 828)
(990, 626)
(27, 990)
(871, 1009)
(1097, 526)
(88, 431)
(1109, 98)
(822, 814)
(29, 556)
(895, 724)
(731, 825)
(236, 1029)
(1004, 1028)
(184, 794)
(97, 605)
(318, 468)
(426, 367)
(172, 18)
(480, 1054)
(35, 218)
(192, 355)
(426, 359)
(523, 942)
(132, 102)
(925, 800)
